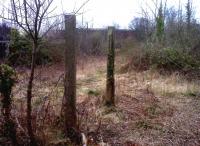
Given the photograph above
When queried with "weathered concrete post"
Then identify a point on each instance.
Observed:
(109, 98)
(70, 74)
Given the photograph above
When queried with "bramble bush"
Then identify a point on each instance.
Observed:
(169, 59)
(172, 59)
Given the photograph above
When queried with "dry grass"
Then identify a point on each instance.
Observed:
(155, 110)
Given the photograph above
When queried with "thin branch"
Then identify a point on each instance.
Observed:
(42, 15)
(16, 17)
(26, 19)
(81, 6)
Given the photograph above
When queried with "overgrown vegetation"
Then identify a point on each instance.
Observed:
(171, 39)
(66, 102)
(169, 59)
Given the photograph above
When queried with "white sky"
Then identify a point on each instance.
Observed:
(101, 13)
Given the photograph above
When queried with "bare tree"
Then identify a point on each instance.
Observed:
(31, 16)
(141, 26)
(158, 11)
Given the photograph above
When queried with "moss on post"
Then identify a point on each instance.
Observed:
(109, 97)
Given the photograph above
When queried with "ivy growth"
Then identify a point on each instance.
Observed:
(7, 81)
(160, 24)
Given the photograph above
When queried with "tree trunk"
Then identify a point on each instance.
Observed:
(109, 98)
(70, 76)
(29, 96)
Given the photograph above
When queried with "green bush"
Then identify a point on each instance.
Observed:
(21, 50)
(169, 59)
(172, 59)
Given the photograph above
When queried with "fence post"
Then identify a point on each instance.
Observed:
(70, 74)
(109, 98)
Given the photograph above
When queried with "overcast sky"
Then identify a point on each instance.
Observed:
(101, 13)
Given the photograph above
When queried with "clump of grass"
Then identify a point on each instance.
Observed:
(143, 124)
(110, 114)
(38, 102)
(153, 110)
(146, 124)
(93, 92)
(169, 94)
(90, 79)
(172, 85)
(191, 93)
(61, 135)
(100, 72)
(106, 110)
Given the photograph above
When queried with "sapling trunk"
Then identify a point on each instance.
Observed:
(29, 96)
